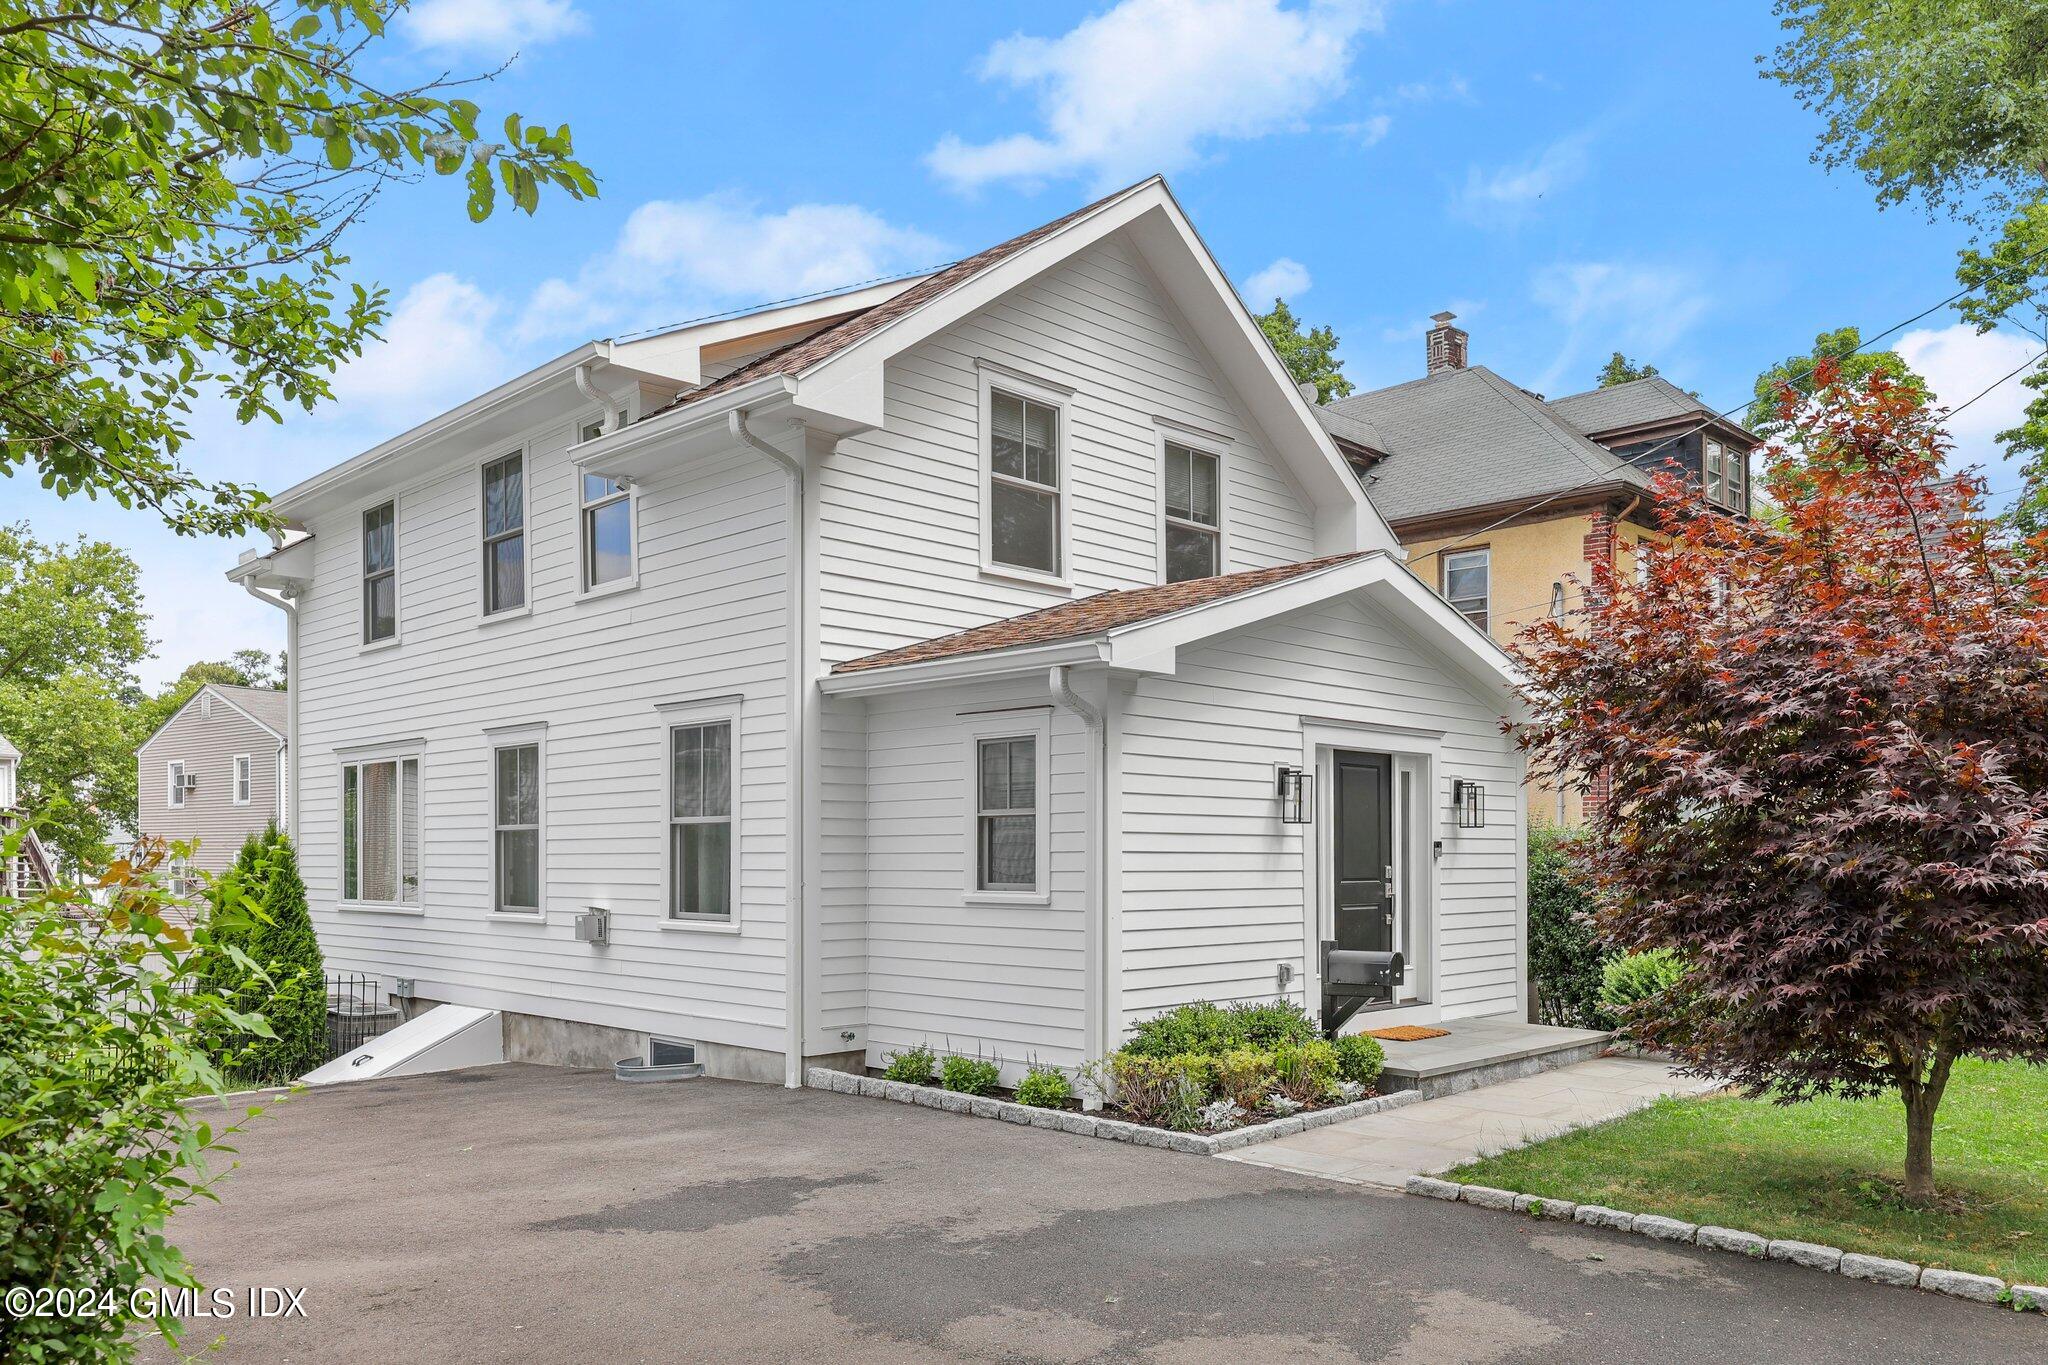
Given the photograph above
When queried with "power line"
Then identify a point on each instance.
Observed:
(1547, 499)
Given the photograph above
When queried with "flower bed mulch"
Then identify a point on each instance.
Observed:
(1100, 1125)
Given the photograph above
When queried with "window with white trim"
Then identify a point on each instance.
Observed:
(1024, 484)
(516, 827)
(1006, 823)
(605, 523)
(380, 573)
(174, 783)
(241, 779)
(1468, 583)
(1193, 512)
(380, 831)
(504, 530)
(700, 820)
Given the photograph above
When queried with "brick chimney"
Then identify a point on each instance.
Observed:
(1446, 345)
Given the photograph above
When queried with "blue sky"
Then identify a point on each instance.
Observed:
(1568, 178)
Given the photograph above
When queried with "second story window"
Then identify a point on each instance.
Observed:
(174, 783)
(1468, 583)
(241, 779)
(1193, 509)
(1726, 475)
(380, 573)
(505, 534)
(1024, 492)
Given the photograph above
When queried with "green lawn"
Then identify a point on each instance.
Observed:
(1823, 1172)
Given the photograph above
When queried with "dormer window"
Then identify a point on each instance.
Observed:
(1726, 475)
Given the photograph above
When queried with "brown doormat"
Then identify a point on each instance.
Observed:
(1407, 1033)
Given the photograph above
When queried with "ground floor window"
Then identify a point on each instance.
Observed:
(700, 818)
(516, 827)
(1006, 814)
(380, 831)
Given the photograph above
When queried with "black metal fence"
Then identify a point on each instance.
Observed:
(356, 1011)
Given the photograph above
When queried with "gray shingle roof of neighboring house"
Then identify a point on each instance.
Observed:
(269, 707)
(1468, 438)
(1633, 404)
(1345, 426)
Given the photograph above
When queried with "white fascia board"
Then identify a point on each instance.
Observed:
(848, 384)
(287, 566)
(998, 663)
(633, 452)
(680, 353)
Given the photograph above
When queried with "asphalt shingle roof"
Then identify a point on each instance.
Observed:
(1469, 438)
(269, 706)
(1092, 615)
(1344, 426)
(1654, 399)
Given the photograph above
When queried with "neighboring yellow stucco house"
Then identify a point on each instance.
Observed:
(1505, 500)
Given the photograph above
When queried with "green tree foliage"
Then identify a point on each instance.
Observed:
(176, 178)
(1944, 102)
(267, 962)
(1311, 357)
(1565, 955)
(102, 1029)
(1619, 369)
(71, 635)
(1793, 379)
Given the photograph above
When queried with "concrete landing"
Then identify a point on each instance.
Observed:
(1480, 1052)
(1435, 1135)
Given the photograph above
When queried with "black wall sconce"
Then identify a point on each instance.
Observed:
(1296, 804)
(1468, 803)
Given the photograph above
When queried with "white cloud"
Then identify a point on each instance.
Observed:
(1146, 85)
(1636, 305)
(1959, 363)
(1509, 191)
(675, 258)
(440, 347)
(1424, 92)
(491, 26)
(1368, 131)
(1285, 278)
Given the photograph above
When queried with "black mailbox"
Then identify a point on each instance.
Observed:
(1354, 978)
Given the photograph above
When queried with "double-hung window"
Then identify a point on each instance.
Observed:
(380, 573)
(1024, 484)
(174, 783)
(1468, 583)
(516, 826)
(241, 779)
(380, 831)
(1006, 824)
(504, 559)
(1193, 536)
(700, 814)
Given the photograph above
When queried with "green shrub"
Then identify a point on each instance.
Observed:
(1160, 1091)
(1565, 955)
(1212, 1030)
(1360, 1059)
(274, 931)
(1045, 1087)
(104, 1027)
(913, 1064)
(1245, 1076)
(1306, 1072)
(1632, 978)
(969, 1075)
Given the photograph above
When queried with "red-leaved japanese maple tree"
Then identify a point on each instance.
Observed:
(1824, 737)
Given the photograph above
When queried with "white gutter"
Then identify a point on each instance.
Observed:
(793, 927)
(1095, 1020)
(285, 601)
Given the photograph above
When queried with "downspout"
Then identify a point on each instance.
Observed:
(597, 396)
(793, 927)
(1095, 1023)
(286, 602)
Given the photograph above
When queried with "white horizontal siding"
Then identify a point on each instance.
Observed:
(707, 619)
(900, 550)
(839, 965)
(999, 980)
(1212, 882)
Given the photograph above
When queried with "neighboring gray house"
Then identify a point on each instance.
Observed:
(994, 658)
(214, 773)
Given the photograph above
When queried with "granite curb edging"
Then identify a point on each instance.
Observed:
(1814, 1256)
(1088, 1125)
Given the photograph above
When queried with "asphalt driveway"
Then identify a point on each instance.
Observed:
(522, 1213)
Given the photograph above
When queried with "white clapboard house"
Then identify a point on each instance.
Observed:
(931, 662)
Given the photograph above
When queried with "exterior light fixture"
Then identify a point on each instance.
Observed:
(1293, 789)
(1468, 802)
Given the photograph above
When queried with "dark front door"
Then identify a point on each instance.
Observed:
(1365, 852)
